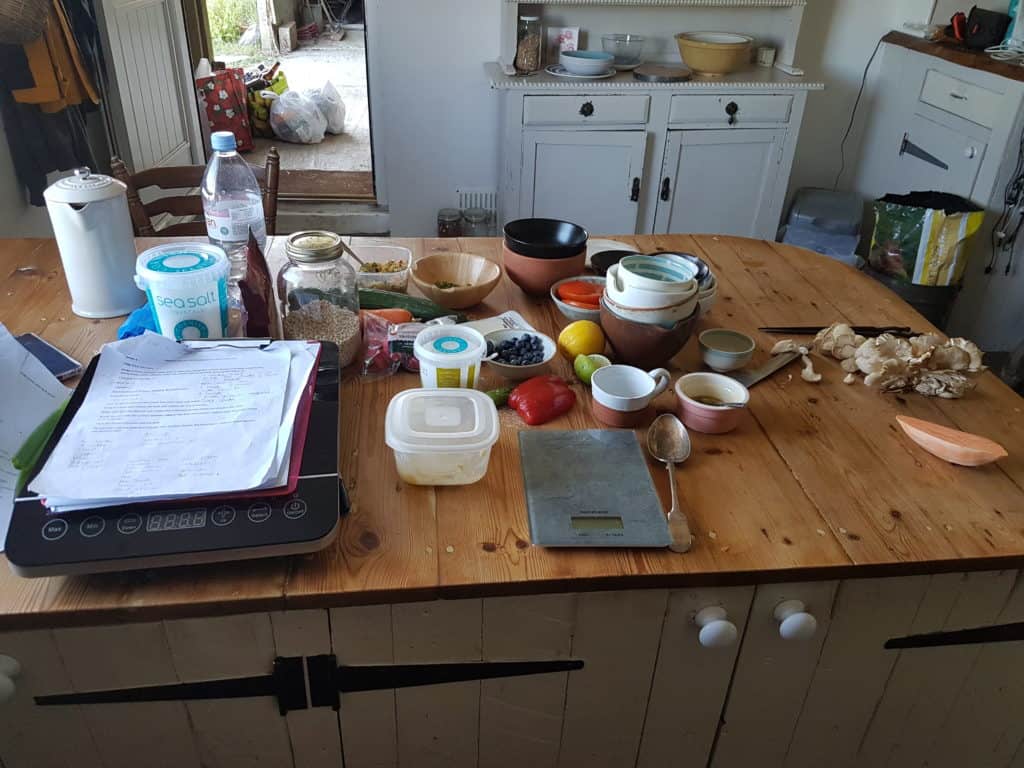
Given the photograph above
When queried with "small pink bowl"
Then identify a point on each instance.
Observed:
(710, 419)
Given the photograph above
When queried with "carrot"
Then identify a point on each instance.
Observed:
(395, 315)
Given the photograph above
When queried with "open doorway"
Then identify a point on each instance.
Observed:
(313, 42)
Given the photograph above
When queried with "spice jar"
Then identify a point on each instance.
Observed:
(474, 223)
(528, 37)
(449, 222)
(319, 297)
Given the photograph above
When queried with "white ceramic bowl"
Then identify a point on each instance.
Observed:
(577, 313)
(707, 300)
(702, 417)
(586, 62)
(656, 273)
(643, 298)
(725, 350)
(664, 316)
(520, 372)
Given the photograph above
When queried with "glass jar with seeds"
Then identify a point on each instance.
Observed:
(318, 292)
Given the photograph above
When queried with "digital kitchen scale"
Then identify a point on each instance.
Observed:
(590, 488)
(130, 536)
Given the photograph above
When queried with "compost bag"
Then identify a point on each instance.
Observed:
(920, 237)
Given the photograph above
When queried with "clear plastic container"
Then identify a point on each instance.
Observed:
(318, 293)
(449, 356)
(385, 257)
(441, 436)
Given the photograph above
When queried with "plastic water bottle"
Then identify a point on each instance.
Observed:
(232, 206)
(232, 203)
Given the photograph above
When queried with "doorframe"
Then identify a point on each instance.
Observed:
(199, 44)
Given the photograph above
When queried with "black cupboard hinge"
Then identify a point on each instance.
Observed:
(999, 633)
(666, 189)
(634, 193)
(327, 680)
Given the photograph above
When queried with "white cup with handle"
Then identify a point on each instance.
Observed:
(626, 388)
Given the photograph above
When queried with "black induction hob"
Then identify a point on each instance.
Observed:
(129, 536)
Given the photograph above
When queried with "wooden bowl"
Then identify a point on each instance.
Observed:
(474, 275)
(714, 53)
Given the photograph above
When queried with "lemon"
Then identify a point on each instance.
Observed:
(584, 337)
(585, 365)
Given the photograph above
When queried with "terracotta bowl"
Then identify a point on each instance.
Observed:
(536, 276)
(474, 275)
(622, 419)
(642, 344)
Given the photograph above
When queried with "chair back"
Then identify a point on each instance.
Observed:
(187, 178)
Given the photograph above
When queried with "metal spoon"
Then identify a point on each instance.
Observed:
(668, 442)
(345, 247)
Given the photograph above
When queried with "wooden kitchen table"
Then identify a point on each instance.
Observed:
(818, 497)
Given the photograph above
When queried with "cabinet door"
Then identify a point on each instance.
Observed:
(592, 178)
(720, 182)
(930, 156)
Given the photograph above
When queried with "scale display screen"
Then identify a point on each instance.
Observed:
(581, 523)
(176, 520)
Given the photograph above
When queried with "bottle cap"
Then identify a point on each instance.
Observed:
(222, 141)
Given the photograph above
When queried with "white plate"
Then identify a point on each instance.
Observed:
(559, 71)
(596, 245)
(627, 67)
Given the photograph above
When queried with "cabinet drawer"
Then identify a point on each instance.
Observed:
(585, 110)
(749, 108)
(967, 100)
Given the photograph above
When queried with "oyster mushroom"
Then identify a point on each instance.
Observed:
(786, 345)
(957, 355)
(945, 384)
(808, 373)
(839, 340)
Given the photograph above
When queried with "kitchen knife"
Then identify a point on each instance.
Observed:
(751, 377)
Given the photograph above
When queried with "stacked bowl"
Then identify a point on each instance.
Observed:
(650, 306)
(540, 252)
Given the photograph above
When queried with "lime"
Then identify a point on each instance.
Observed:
(585, 365)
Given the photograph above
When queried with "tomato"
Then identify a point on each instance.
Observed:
(581, 304)
(580, 291)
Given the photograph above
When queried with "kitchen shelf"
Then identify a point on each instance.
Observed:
(754, 79)
(675, 3)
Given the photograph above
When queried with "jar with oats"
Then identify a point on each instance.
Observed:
(528, 39)
(318, 293)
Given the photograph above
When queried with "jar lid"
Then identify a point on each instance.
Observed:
(449, 214)
(441, 421)
(84, 186)
(313, 245)
(475, 215)
(181, 263)
(449, 346)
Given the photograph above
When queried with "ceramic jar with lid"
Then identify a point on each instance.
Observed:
(318, 293)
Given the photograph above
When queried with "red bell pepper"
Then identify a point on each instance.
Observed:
(541, 399)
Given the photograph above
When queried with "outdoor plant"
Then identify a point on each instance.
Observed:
(229, 18)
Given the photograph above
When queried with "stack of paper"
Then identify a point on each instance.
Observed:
(163, 420)
(29, 394)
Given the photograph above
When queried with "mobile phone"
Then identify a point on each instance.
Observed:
(60, 365)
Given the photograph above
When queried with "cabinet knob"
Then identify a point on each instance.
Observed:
(970, 153)
(587, 109)
(731, 109)
(794, 621)
(10, 668)
(716, 631)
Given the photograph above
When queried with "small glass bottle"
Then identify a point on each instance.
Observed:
(475, 223)
(528, 43)
(318, 293)
(449, 222)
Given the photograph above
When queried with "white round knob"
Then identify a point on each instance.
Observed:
(7, 689)
(716, 631)
(970, 153)
(9, 666)
(794, 622)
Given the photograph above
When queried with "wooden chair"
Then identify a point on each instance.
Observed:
(187, 177)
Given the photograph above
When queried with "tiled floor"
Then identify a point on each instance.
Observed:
(343, 62)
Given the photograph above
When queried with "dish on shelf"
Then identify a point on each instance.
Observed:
(559, 71)
(627, 50)
(714, 53)
(586, 62)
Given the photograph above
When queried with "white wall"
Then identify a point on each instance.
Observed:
(434, 118)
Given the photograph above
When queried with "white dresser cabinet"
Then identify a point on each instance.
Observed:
(620, 156)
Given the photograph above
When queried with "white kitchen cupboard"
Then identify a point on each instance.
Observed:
(720, 181)
(939, 125)
(592, 178)
(620, 156)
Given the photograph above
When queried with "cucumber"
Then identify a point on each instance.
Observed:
(423, 309)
